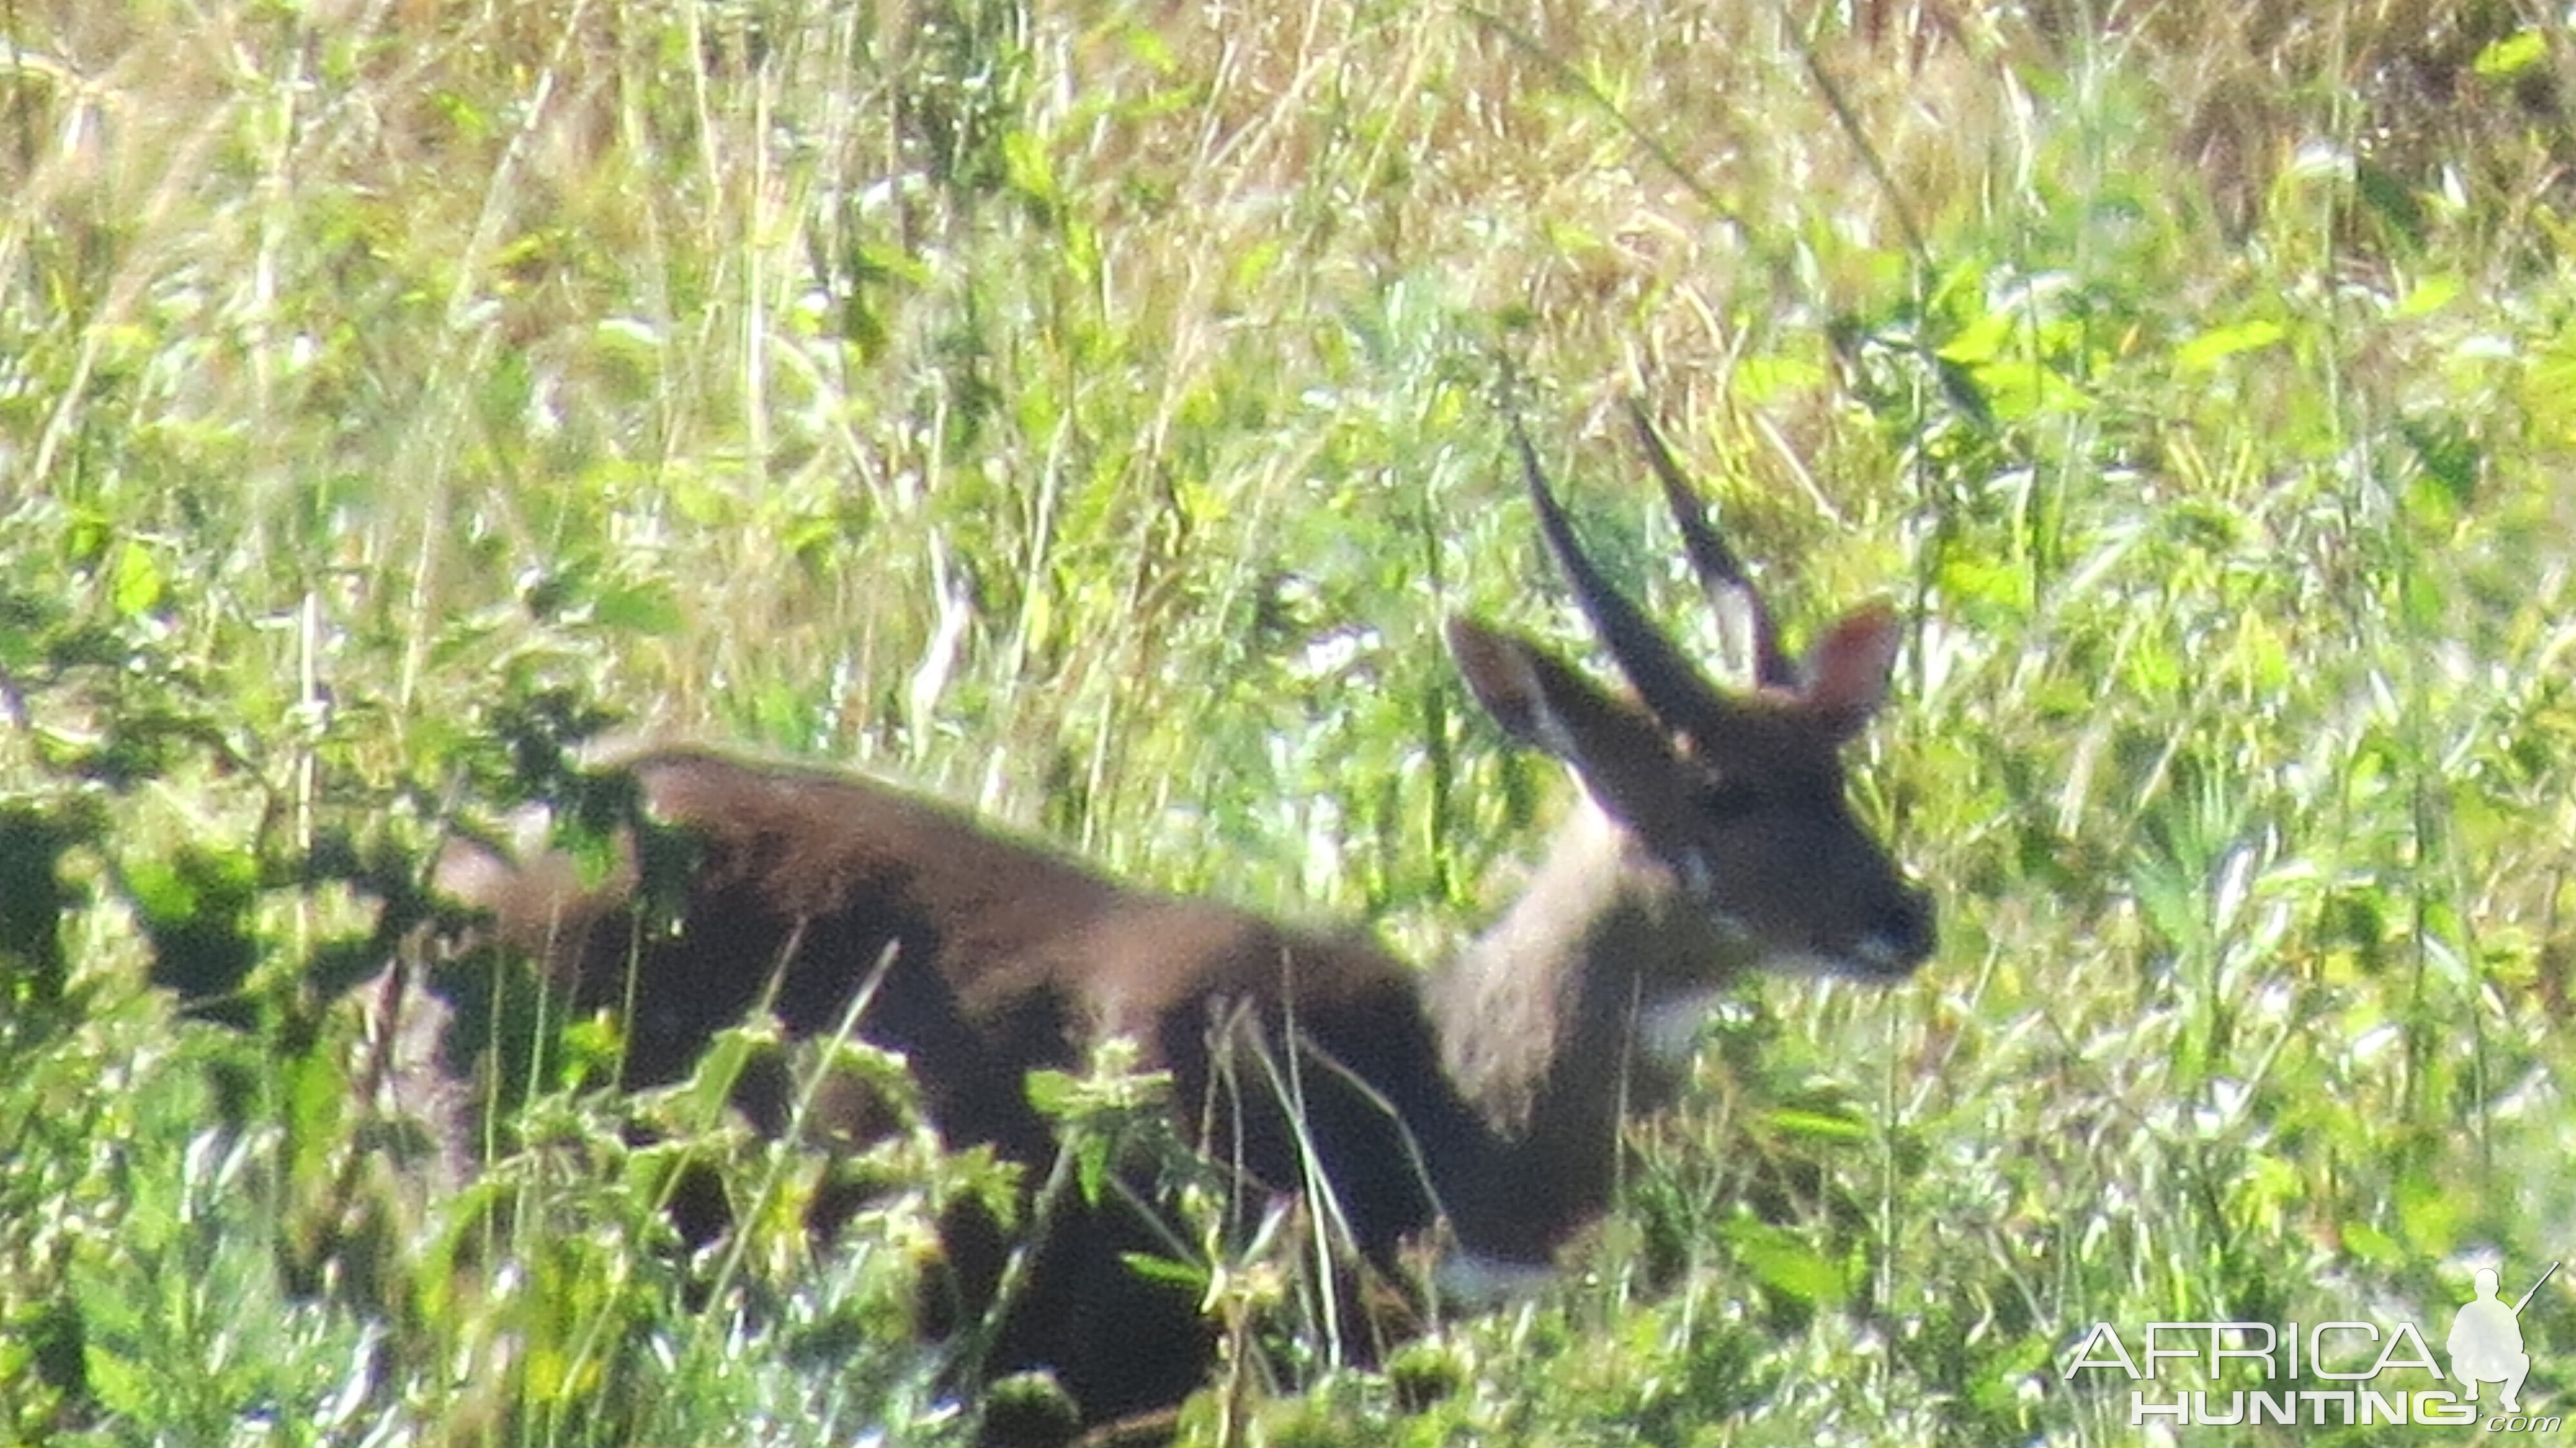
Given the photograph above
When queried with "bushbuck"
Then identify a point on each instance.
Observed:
(1711, 835)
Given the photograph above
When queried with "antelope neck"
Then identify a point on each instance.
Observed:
(1544, 1025)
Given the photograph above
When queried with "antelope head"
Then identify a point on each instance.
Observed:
(1720, 837)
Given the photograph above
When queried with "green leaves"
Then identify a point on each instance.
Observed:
(2203, 353)
(1089, 414)
(2511, 55)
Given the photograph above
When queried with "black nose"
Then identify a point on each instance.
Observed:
(1906, 925)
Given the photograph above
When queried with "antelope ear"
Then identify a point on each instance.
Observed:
(1847, 670)
(1501, 670)
(1544, 704)
(1622, 754)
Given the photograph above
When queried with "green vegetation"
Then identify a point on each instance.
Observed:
(1088, 412)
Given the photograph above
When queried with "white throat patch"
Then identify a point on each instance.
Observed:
(1669, 1028)
(1478, 1283)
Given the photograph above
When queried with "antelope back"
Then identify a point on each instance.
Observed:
(1000, 956)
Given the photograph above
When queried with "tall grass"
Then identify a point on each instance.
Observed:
(1088, 412)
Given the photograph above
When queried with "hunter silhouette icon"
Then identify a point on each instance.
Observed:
(2486, 1340)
